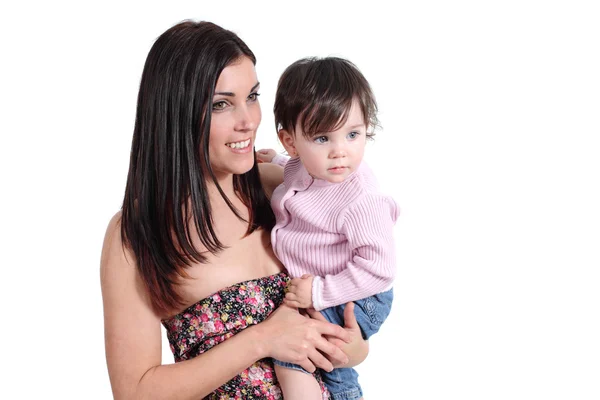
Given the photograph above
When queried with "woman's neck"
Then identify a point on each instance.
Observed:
(225, 182)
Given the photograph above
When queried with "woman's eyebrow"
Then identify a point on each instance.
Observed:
(231, 94)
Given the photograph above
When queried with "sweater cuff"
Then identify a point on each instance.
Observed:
(280, 159)
(317, 293)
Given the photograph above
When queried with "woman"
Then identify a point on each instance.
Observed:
(195, 224)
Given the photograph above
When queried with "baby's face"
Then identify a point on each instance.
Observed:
(333, 156)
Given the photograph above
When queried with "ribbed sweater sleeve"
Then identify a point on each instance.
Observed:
(368, 226)
(280, 159)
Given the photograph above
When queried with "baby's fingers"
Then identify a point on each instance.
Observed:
(292, 300)
(295, 281)
(292, 296)
(292, 303)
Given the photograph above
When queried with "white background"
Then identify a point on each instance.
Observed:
(490, 144)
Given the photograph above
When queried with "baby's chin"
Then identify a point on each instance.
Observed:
(335, 178)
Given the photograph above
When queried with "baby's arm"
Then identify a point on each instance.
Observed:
(271, 156)
(368, 226)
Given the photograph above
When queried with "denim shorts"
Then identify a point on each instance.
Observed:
(370, 313)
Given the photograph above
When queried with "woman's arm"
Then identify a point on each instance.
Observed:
(133, 338)
(271, 176)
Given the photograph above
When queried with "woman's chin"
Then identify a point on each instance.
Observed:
(245, 166)
(241, 167)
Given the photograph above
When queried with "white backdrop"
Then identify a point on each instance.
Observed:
(490, 144)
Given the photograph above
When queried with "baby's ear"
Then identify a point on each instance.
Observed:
(287, 140)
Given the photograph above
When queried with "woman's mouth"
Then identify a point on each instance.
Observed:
(240, 147)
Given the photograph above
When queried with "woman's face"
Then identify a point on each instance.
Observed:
(235, 119)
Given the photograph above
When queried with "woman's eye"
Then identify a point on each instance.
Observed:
(253, 96)
(219, 105)
(321, 139)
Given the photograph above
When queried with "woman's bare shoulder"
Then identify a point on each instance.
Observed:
(116, 258)
(114, 227)
(119, 277)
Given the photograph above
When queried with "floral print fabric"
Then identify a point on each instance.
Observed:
(218, 317)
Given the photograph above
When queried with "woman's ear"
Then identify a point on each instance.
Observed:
(287, 140)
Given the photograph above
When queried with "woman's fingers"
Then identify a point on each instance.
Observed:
(307, 365)
(314, 314)
(320, 361)
(349, 321)
(334, 354)
(349, 317)
(327, 328)
(295, 336)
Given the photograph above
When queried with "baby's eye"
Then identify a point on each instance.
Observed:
(353, 135)
(321, 139)
(219, 105)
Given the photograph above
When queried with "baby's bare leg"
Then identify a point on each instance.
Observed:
(297, 385)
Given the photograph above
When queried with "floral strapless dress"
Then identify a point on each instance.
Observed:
(218, 317)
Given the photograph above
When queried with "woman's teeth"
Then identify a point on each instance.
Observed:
(239, 145)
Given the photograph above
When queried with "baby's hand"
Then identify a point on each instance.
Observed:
(299, 293)
(265, 155)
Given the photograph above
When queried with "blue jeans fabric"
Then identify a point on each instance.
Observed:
(370, 313)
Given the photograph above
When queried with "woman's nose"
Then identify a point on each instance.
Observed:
(245, 119)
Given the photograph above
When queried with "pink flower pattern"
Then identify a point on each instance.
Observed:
(221, 315)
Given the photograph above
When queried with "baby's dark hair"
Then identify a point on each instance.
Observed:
(318, 93)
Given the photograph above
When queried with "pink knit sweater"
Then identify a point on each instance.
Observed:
(342, 233)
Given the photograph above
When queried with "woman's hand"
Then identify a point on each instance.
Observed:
(358, 348)
(291, 337)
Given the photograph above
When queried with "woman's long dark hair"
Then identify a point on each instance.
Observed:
(169, 159)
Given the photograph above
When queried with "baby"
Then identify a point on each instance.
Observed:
(334, 230)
